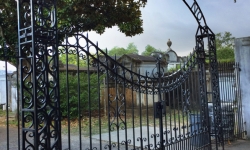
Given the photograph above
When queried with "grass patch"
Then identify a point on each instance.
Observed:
(95, 125)
(11, 119)
(2, 113)
(103, 124)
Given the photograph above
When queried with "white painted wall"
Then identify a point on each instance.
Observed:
(242, 55)
(3, 88)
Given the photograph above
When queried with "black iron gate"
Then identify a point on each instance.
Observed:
(101, 102)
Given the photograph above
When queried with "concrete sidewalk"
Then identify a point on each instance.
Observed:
(238, 145)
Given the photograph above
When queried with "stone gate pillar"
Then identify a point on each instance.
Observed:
(242, 55)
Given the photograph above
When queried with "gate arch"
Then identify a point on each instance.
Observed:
(203, 31)
(127, 95)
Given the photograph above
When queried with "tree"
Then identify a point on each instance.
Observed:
(225, 55)
(224, 46)
(119, 51)
(97, 15)
(88, 15)
(224, 40)
(149, 50)
(72, 59)
(8, 30)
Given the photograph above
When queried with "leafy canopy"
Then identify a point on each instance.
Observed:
(119, 51)
(72, 59)
(95, 15)
(224, 46)
(149, 50)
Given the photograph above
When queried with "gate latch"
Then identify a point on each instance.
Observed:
(158, 109)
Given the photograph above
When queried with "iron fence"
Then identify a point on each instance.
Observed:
(71, 95)
(106, 106)
(9, 99)
(229, 81)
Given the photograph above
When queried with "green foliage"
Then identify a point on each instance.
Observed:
(8, 30)
(119, 51)
(97, 15)
(8, 23)
(149, 50)
(8, 55)
(88, 97)
(176, 68)
(224, 47)
(89, 15)
(72, 59)
(224, 40)
(225, 55)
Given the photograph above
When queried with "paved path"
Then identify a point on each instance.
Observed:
(104, 144)
(133, 135)
(238, 145)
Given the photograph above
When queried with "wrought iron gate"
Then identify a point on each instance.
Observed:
(105, 102)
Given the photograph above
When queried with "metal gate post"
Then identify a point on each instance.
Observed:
(159, 107)
(204, 114)
(204, 31)
(217, 110)
(39, 85)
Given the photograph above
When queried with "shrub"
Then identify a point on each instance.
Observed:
(78, 95)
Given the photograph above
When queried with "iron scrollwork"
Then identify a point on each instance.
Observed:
(38, 48)
(203, 31)
(39, 84)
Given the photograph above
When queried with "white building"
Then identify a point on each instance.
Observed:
(10, 91)
(174, 61)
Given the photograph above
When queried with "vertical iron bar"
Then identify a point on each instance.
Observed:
(224, 109)
(147, 104)
(133, 105)
(154, 101)
(21, 77)
(183, 104)
(124, 100)
(160, 100)
(79, 96)
(89, 96)
(67, 91)
(140, 111)
(7, 94)
(18, 99)
(166, 120)
(174, 117)
(170, 117)
(178, 138)
(99, 97)
(117, 99)
(108, 101)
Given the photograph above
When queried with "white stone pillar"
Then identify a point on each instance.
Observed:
(242, 55)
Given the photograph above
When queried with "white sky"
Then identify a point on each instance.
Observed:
(171, 19)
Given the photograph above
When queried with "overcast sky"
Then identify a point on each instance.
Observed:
(171, 19)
